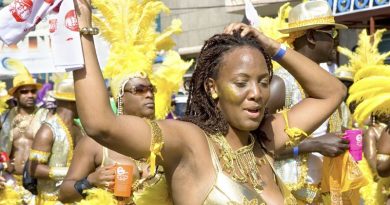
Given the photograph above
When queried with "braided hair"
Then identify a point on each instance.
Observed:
(202, 109)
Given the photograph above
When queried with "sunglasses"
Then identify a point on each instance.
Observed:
(33, 91)
(332, 33)
(141, 89)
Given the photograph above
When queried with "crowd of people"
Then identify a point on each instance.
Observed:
(251, 133)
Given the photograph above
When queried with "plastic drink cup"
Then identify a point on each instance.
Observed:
(123, 180)
(355, 138)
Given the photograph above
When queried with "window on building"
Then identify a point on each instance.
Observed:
(384, 46)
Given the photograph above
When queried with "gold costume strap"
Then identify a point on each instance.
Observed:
(58, 173)
(295, 134)
(382, 157)
(39, 156)
(157, 143)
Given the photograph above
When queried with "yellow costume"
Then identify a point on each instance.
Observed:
(370, 90)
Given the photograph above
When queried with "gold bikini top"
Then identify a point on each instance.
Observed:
(227, 191)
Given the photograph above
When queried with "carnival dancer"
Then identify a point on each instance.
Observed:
(52, 150)
(19, 124)
(228, 93)
(369, 94)
(135, 84)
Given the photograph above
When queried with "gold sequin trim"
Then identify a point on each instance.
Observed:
(58, 173)
(70, 140)
(156, 145)
(39, 156)
(319, 20)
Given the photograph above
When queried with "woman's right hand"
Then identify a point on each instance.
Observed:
(84, 13)
(103, 177)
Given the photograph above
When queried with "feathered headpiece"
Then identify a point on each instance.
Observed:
(371, 87)
(129, 26)
(22, 78)
(366, 54)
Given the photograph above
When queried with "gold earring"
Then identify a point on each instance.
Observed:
(214, 96)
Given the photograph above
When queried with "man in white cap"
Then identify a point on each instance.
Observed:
(312, 31)
(19, 124)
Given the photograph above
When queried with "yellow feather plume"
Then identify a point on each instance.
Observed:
(366, 53)
(164, 41)
(3, 97)
(270, 26)
(9, 196)
(168, 79)
(372, 70)
(380, 104)
(17, 66)
(371, 88)
(129, 26)
(373, 95)
(98, 196)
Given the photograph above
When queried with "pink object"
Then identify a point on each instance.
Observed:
(355, 138)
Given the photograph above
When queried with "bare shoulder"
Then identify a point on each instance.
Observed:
(44, 133)
(44, 137)
(181, 130)
(87, 147)
(183, 139)
(87, 144)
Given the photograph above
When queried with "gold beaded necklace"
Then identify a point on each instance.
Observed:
(242, 163)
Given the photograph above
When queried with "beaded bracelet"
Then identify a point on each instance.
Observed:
(89, 31)
(281, 52)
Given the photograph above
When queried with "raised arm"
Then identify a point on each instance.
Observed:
(83, 167)
(129, 135)
(324, 92)
(40, 153)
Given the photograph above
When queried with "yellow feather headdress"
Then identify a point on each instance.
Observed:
(371, 87)
(366, 54)
(129, 26)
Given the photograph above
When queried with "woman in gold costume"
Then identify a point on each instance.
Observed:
(212, 156)
(93, 164)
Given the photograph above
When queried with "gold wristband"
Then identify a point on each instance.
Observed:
(58, 173)
(89, 31)
(39, 156)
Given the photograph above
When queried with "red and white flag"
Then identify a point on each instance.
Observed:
(21, 16)
(65, 38)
